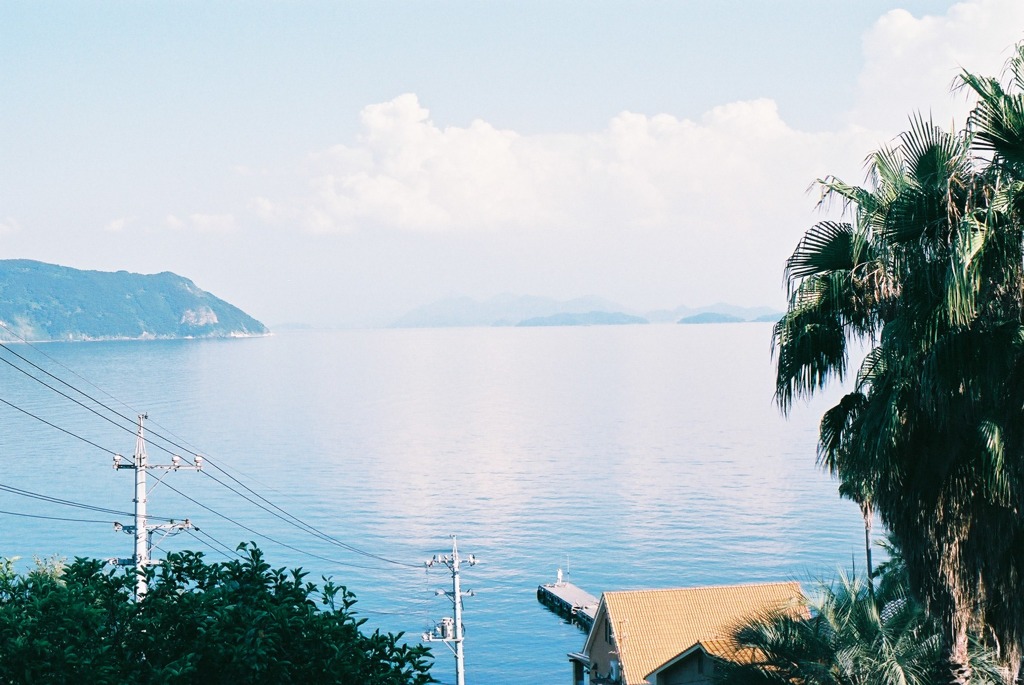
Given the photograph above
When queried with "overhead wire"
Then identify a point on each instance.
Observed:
(55, 500)
(55, 426)
(52, 518)
(294, 520)
(212, 542)
(264, 535)
(279, 512)
(203, 542)
(60, 392)
(302, 525)
(284, 515)
(71, 503)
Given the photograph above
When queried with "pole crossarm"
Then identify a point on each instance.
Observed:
(142, 530)
(449, 630)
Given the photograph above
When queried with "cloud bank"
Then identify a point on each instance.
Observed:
(911, 63)
(735, 170)
(652, 209)
(640, 173)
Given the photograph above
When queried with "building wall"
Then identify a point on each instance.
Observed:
(696, 669)
(603, 649)
(578, 673)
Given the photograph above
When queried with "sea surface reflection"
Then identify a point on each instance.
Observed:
(635, 456)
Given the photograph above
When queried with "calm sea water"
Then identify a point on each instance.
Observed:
(641, 456)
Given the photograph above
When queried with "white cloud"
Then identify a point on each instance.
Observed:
(641, 172)
(651, 202)
(212, 223)
(739, 161)
(119, 224)
(202, 223)
(648, 204)
(9, 225)
(911, 62)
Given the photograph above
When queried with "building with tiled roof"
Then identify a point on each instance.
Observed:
(674, 636)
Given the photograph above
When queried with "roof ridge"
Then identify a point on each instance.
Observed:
(705, 587)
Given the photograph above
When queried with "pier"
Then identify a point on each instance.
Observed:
(569, 601)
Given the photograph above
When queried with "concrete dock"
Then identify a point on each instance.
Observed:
(569, 602)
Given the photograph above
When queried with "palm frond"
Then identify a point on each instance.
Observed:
(810, 344)
(833, 432)
(929, 272)
(997, 120)
(828, 246)
(994, 458)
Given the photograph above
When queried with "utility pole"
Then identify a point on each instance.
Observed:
(449, 630)
(143, 530)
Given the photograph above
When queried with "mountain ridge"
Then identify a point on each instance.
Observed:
(531, 310)
(594, 318)
(47, 302)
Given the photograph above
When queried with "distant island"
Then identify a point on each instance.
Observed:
(584, 319)
(501, 310)
(528, 310)
(46, 302)
(712, 317)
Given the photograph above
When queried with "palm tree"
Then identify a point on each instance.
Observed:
(861, 494)
(849, 638)
(929, 276)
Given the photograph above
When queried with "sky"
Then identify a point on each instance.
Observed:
(339, 163)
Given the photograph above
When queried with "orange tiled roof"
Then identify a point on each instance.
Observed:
(725, 649)
(729, 650)
(653, 626)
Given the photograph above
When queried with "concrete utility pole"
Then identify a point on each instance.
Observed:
(143, 530)
(449, 630)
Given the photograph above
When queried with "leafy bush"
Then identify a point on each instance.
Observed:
(238, 621)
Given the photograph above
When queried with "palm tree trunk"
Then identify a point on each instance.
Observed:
(957, 655)
(868, 513)
(1012, 657)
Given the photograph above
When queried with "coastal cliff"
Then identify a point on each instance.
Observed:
(46, 302)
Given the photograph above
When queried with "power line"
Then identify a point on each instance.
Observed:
(113, 411)
(55, 426)
(143, 530)
(224, 549)
(71, 503)
(68, 503)
(267, 537)
(43, 353)
(54, 500)
(80, 392)
(278, 512)
(53, 518)
(60, 392)
(293, 520)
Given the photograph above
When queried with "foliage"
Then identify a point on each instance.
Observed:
(929, 274)
(48, 302)
(232, 622)
(850, 637)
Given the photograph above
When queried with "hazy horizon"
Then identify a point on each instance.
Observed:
(339, 164)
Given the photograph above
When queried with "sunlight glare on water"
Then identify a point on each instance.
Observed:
(634, 456)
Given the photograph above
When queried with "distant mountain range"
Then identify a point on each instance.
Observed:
(584, 319)
(525, 310)
(711, 317)
(501, 310)
(739, 314)
(41, 301)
